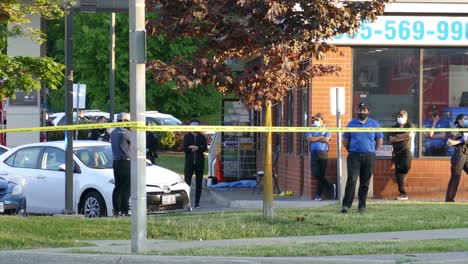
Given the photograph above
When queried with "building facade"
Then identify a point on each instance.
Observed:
(415, 58)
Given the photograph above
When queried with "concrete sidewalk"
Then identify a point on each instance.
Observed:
(111, 251)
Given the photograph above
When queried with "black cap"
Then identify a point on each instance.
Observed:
(194, 122)
(363, 105)
(433, 108)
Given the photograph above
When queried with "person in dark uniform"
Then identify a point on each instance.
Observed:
(403, 148)
(459, 160)
(96, 133)
(194, 146)
(319, 157)
(120, 143)
(361, 147)
(152, 142)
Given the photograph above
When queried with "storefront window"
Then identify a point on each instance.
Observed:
(445, 75)
(388, 80)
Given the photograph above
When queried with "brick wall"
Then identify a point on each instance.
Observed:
(427, 180)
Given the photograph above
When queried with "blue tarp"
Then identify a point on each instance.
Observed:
(235, 184)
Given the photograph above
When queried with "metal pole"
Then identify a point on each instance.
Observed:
(112, 68)
(77, 108)
(137, 56)
(69, 110)
(267, 177)
(338, 155)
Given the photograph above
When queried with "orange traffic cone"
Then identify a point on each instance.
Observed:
(218, 172)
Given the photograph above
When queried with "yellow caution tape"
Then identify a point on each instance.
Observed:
(238, 129)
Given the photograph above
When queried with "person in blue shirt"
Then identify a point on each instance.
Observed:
(361, 147)
(120, 143)
(435, 141)
(319, 157)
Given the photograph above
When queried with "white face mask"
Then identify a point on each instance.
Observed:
(465, 122)
(401, 120)
(316, 123)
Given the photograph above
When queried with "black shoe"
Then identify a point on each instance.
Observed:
(361, 210)
(197, 206)
(344, 210)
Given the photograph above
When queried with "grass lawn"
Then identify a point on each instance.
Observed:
(326, 249)
(40, 231)
(174, 161)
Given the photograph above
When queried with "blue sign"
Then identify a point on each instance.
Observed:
(409, 31)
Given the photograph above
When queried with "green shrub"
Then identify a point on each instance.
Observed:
(167, 140)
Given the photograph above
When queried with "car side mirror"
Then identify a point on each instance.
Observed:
(76, 168)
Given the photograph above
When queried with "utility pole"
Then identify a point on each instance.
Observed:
(137, 56)
(268, 177)
(69, 109)
(112, 69)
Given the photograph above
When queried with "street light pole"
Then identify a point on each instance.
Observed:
(69, 109)
(137, 56)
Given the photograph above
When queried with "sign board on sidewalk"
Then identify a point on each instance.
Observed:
(340, 93)
(79, 95)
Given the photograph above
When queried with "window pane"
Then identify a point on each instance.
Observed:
(388, 80)
(53, 158)
(27, 158)
(445, 73)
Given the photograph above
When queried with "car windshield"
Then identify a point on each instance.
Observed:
(98, 157)
(165, 121)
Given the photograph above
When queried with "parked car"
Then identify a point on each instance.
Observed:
(42, 165)
(3, 149)
(58, 119)
(12, 200)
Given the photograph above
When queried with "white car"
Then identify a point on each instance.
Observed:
(42, 169)
(160, 119)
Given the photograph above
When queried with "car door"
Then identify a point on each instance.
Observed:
(53, 179)
(24, 163)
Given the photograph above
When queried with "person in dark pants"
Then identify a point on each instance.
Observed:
(319, 157)
(361, 147)
(459, 160)
(194, 146)
(152, 142)
(120, 143)
(403, 147)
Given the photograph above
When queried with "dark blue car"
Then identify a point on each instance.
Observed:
(12, 200)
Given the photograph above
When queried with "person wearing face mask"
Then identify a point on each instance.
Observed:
(361, 147)
(459, 160)
(319, 157)
(403, 147)
(435, 141)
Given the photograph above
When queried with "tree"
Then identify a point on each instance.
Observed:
(280, 33)
(254, 48)
(91, 66)
(22, 72)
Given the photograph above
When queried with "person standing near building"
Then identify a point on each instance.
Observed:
(459, 160)
(361, 147)
(403, 148)
(435, 141)
(319, 157)
(120, 143)
(194, 146)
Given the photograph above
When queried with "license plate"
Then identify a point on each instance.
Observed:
(168, 199)
(2, 207)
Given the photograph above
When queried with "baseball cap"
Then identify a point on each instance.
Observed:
(123, 117)
(363, 105)
(433, 108)
(194, 122)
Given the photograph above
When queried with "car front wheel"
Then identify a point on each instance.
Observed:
(93, 205)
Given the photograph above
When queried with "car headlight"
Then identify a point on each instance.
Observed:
(17, 190)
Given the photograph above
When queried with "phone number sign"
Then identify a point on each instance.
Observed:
(409, 31)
